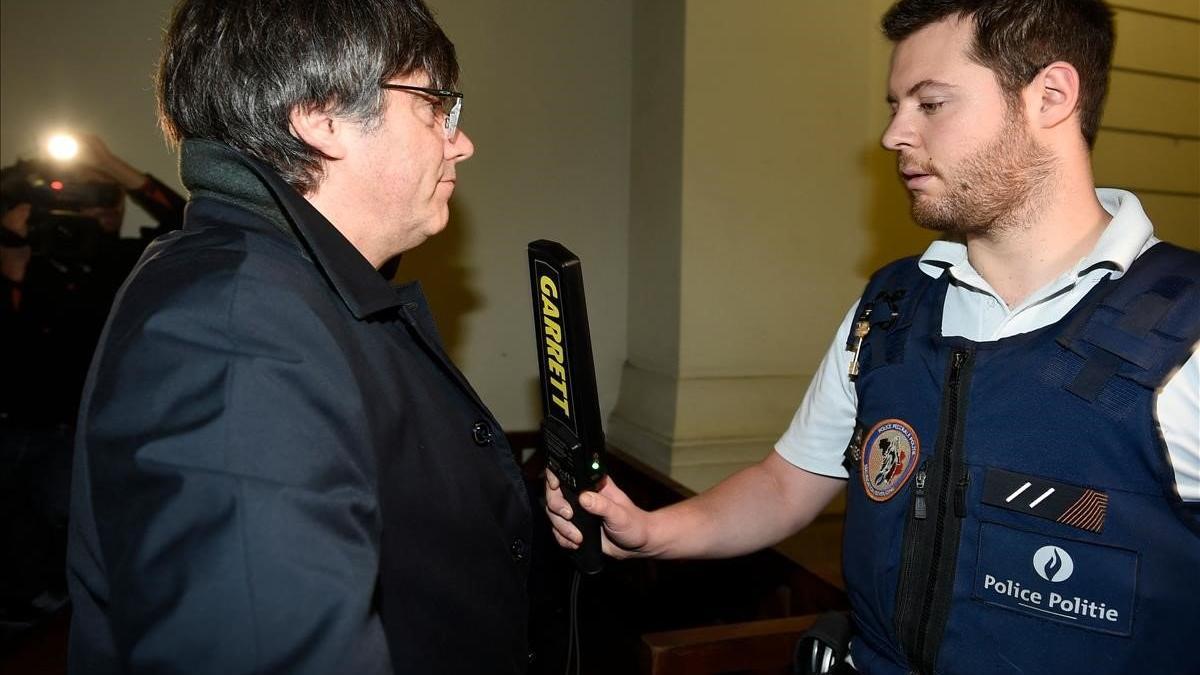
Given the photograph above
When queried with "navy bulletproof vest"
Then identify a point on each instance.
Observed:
(1011, 505)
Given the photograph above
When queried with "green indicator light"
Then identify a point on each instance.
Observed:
(595, 465)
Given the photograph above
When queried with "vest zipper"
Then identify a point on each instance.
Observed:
(930, 546)
(919, 498)
(960, 496)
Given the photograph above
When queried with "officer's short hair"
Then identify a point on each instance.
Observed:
(1017, 38)
(233, 71)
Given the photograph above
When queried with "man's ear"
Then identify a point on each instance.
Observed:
(320, 130)
(1055, 94)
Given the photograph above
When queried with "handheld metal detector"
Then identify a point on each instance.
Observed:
(572, 436)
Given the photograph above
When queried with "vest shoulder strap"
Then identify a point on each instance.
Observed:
(1140, 327)
(887, 306)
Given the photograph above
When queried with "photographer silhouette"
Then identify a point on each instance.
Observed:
(62, 260)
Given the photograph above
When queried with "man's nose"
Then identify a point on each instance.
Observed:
(899, 134)
(461, 148)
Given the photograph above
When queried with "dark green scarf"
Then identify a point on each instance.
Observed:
(216, 171)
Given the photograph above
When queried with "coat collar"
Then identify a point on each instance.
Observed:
(215, 170)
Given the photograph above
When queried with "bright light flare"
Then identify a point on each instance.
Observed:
(62, 147)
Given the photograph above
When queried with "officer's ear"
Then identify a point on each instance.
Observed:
(320, 129)
(1055, 93)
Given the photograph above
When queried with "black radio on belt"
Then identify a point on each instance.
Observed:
(571, 432)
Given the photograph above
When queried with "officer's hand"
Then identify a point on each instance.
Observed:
(14, 260)
(625, 532)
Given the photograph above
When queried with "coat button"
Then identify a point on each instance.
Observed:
(481, 433)
(518, 549)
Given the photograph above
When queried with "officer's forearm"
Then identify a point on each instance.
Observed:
(754, 508)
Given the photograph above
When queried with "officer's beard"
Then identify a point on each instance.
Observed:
(996, 189)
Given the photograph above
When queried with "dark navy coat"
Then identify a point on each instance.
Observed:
(278, 469)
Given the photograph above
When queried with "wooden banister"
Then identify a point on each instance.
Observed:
(765, 645)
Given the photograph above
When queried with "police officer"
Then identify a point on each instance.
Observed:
(1019, 401)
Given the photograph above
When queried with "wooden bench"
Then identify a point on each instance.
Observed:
(762, 645)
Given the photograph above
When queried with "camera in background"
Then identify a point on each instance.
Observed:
(63, 222)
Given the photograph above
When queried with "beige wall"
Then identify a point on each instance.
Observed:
(785, 202)
(1149, 139)
(74, 64)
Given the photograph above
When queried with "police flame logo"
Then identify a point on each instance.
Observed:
(1053, 564)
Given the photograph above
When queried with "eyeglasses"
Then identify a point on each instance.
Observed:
(449, 104)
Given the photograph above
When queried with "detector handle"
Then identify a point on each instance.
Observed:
(589, 557)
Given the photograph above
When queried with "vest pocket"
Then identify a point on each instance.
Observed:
(1075, 583)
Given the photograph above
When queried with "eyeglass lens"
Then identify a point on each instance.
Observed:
(452, 108)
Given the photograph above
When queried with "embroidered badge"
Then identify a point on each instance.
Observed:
(889, 456)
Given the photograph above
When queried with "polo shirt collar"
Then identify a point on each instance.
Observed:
(1126, 236)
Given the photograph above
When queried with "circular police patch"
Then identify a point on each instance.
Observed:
(889, 456)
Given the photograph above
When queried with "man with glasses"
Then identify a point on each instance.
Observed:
(278, 468)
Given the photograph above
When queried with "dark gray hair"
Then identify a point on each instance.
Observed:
(1015, 39)
(233, 71)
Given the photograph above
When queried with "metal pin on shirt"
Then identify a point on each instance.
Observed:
(860, 330)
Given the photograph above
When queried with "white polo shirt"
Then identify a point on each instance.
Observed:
(817, 437)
